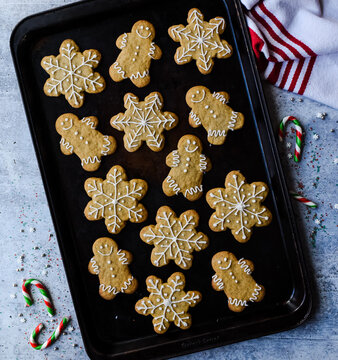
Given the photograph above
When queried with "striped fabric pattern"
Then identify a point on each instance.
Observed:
(283, 60)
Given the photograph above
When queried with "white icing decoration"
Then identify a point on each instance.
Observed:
(172, 184)
(188, 146)
(219, 97)
(195, 118)
(147, 121)
(113, 289)
(218, 282)
(119, 70)
(94, 265)
(233, 120)
(69, 126)
(237, 302)
(200, 38)
(106, 254)
(124, 40)
(69, 74)
(255, 293)
(90, 159)
(67, 145)
(217, 133)
(152, 50)
(122, 257)
(203, 163)
(160, 321)
(139, 75)
(88, 122)
(176, 238)
(198, 101)
(176, 158)
(240, 205)
(226, 268)
(143, 37)
(105, 145)
(99, 209)
(244, 266)
(193, 190)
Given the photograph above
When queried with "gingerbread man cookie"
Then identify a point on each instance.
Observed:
(111, 265)
(72, 73)
(81, 138)
(168, 302)
(212, 112)
(238, 206)
(174, 238)
(200, 40)
(187, 167)
(115, 199)
(144, 121)
(138, 49)
(234, 278)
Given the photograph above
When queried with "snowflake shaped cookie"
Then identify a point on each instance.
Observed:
(115, 199)
(71, 73)
(111, 265)
(234, 278)
(137, 51)
(82, 138)
(200, 40)
(174, 238)
(188, 165)
(168, 302)
(238, 206)
(144, 121)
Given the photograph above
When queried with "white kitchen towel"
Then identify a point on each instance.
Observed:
(296, 45)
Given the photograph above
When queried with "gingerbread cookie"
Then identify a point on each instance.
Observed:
(111, 265)
(174, 238)
(212, 111)
(187, 167)
(200, 40)
(72, 73)
(238, 206)
(233, 277)
(168, 302)
(115, 199)
(138, 49)
(144, 121)
(81, 138)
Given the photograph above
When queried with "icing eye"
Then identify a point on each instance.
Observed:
(193, 95)
(81, 138)
(62, 123)
(225, 259)
(111, 269)
(105, 245)
(108, 262)
(147, 28)
(194, 142)
(76, 133)
(101, 247)
(66, 119)
(219, 262)
(137, 47)
(188, 142)
(141, 27)
(206, 106)
(197, 92)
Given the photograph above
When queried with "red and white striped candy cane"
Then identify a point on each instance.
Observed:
(43, 292)
(52, 339)
(303, 199)
(299, 135)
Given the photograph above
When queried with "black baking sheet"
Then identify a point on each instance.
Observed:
(112, 329)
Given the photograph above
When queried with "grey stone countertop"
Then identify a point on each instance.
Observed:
(29, 248)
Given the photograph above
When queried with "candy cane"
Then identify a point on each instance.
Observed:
(52, 339)
(299, 134)
(303, 199)
(43, 291)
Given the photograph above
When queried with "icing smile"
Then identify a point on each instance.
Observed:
(226, 268)
(146, 29)
(70, 124)
(193, 97)
(188, 146)
(111, 250)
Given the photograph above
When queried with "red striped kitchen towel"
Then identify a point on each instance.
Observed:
(296, 45)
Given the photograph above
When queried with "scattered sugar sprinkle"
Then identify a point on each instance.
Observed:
(55, 348)
(335, 161)
(23, 320)
(288, 145)
(290, 156)
(336, 206)
(15, 285)
(321, 115)
(20, 315)
(12, 296)
(43, 255)
(315, 136)
(44, 272)
(332, 130)
(22, 230)
(36, 248)
(317, 221)
(32, 229)
(300, 100)
(292, 99)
